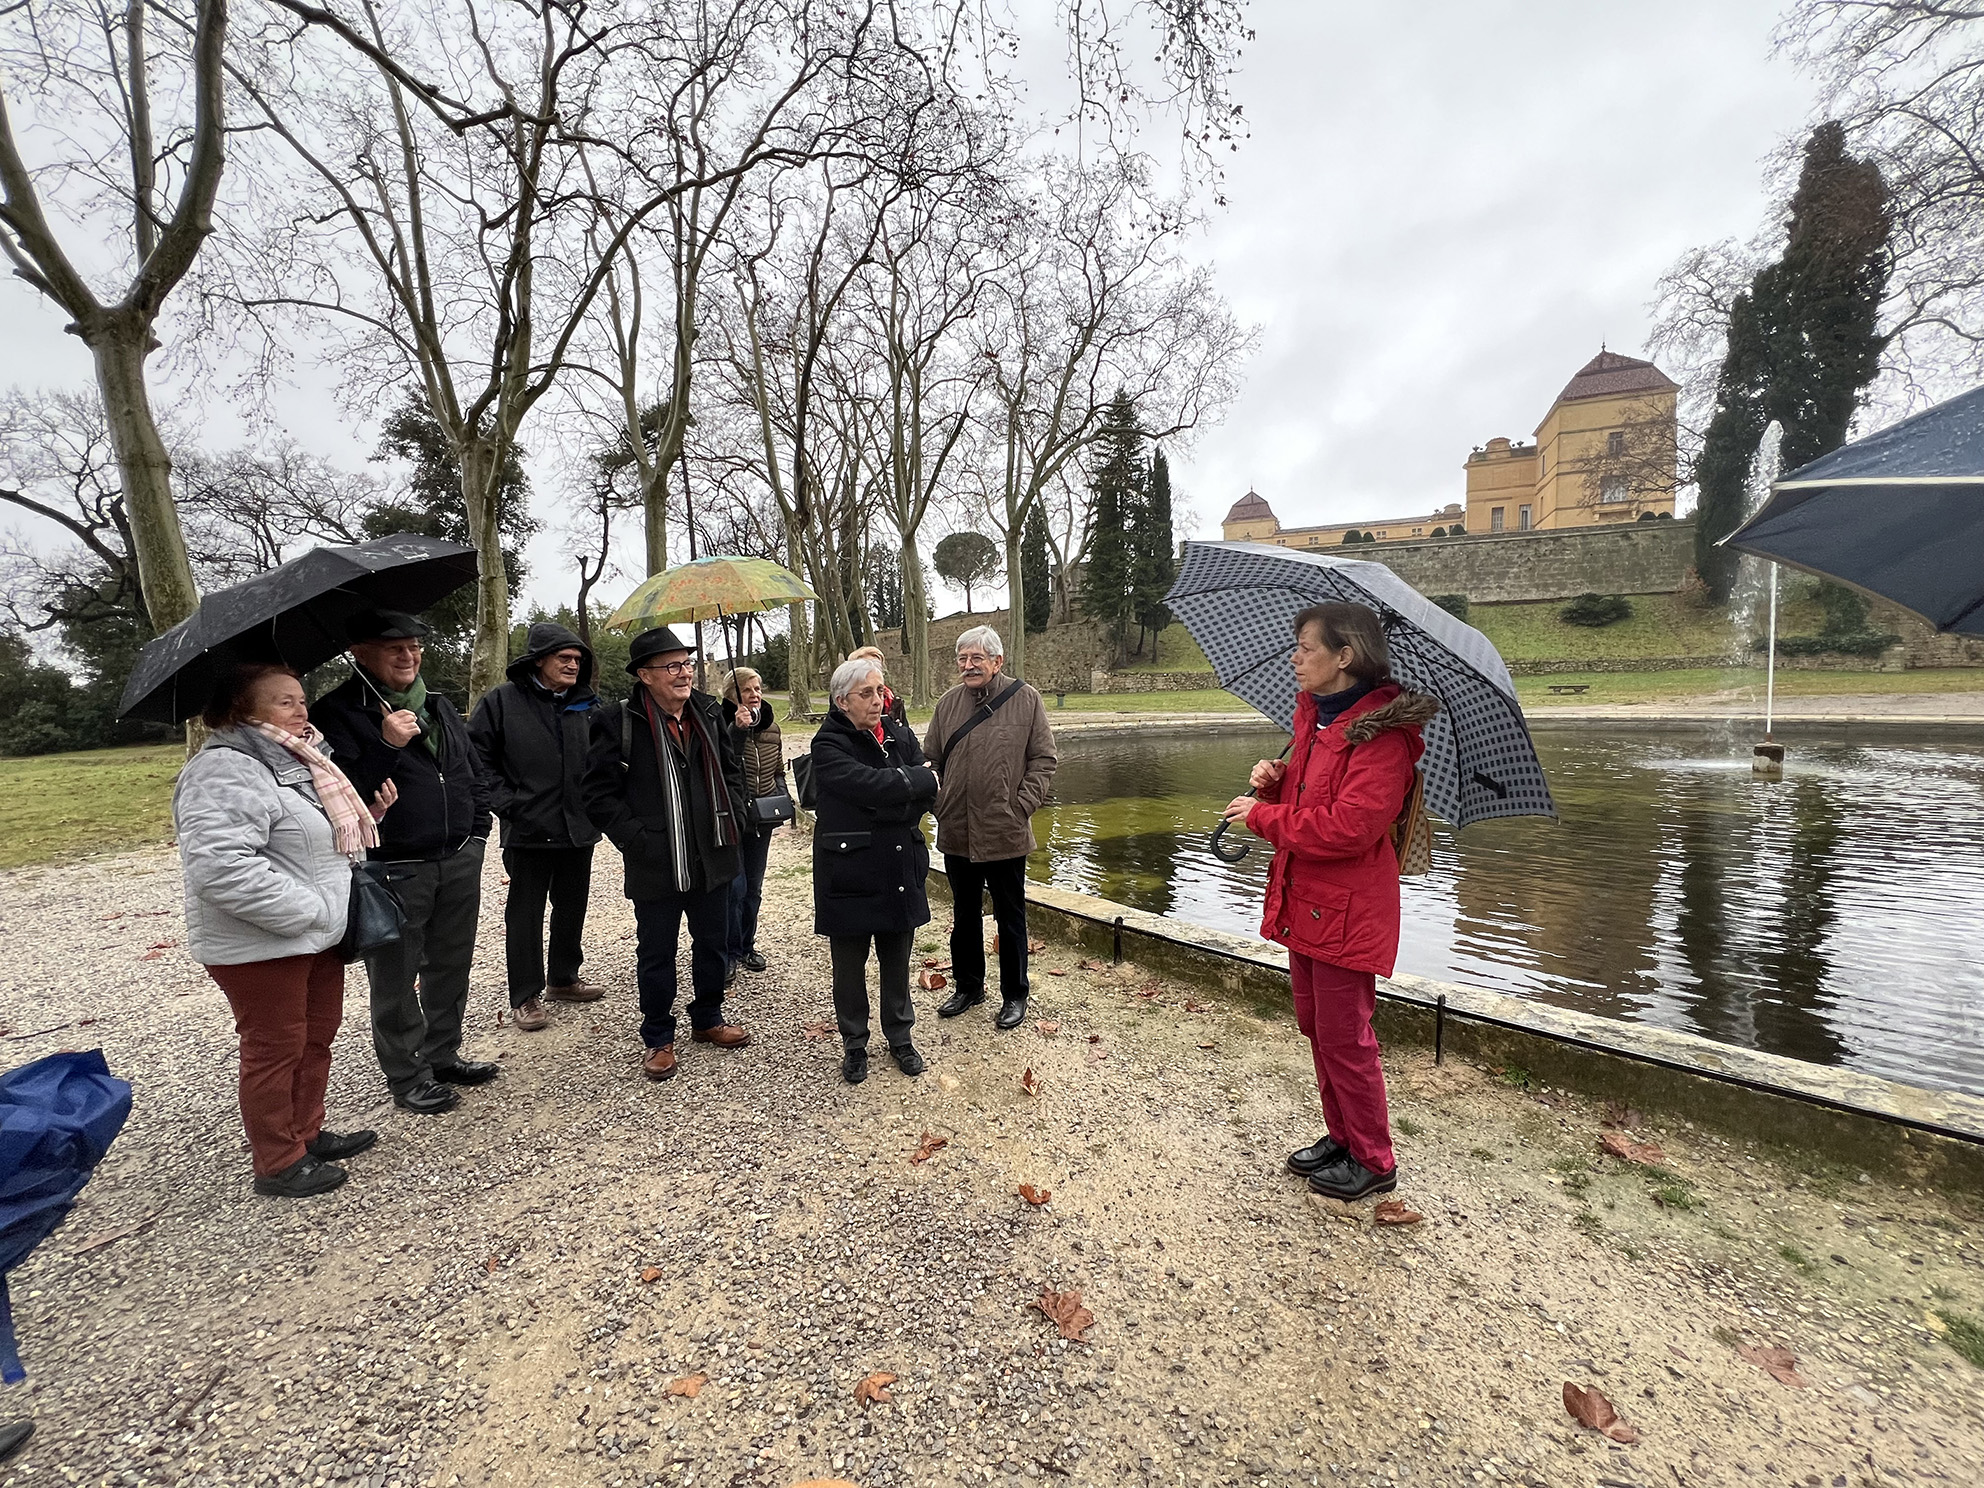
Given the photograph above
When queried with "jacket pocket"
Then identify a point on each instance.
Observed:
(845, 864)
(1315, 912)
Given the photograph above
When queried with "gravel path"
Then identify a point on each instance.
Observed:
(505, 1295)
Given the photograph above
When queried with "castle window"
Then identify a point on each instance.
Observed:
(1614, 488)
(1615, 443)
(1498, 518)
(1522, 518)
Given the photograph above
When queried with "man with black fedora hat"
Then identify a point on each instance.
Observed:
(667, 786)
(383, 724)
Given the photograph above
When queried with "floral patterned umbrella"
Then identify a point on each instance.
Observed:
(709, 589)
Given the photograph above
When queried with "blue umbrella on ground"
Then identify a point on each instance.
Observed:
(58, 1117)
(1898, 515)
(1238, 601)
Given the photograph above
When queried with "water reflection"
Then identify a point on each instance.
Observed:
(1827, 917)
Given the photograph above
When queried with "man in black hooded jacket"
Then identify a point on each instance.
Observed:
(533, 735)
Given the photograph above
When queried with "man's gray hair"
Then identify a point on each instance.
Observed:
(985, 638)
(848, 675)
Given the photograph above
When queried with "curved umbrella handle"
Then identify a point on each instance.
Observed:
(1220, 849)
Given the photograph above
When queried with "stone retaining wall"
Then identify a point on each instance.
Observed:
(1101, 681)
(1609, 664)
(1519, 567)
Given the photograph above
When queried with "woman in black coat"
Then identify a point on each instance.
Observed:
(869, 861)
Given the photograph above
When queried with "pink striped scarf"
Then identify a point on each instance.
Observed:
(352, 827)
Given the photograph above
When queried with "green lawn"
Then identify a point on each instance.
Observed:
(58, 805)
(1661, 625)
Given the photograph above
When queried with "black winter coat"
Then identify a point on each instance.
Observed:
(443, 802)
(625, 799)
(535, 747)
(869, 861)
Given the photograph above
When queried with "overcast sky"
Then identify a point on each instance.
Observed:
(1442, 211)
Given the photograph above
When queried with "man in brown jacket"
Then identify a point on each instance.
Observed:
(990, 743)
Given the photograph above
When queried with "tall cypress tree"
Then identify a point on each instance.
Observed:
(1034, 573)
(1117, 481)
(1156, 560)
(1804, 343)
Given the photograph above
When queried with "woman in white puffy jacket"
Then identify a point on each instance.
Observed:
(268, 830)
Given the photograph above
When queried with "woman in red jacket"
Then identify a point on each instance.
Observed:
(1333, 889)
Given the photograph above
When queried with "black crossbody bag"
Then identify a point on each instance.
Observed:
(376, 919)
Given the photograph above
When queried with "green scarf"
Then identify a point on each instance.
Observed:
(414, 700)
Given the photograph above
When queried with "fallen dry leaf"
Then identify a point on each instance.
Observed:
(1057, 971)
(1619, 1114)
(650, 1274)
(935, 964)
(1036, 945)
(97, 1242)
(1065, 1311)
(1196, 1007)
(1775, 1362)
(491, 1264)
(1095, 1038)
(1030, 1083)
(873, 1390)
(1148, 990)
(819, 1029)
(1594, 1410)
(1394, 1212)
(1093, 965)
(948, 1083)
(1208, 1046)
(162, 945)
(1621, 1145)
(931, 981)
(1097, 1055)
(1048, 1028)
(688, 1387)
(927, 1148)
(1034, 1196)
(151, 955)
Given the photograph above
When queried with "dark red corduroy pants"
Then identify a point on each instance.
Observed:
(287, 1012)
(1333, 1008)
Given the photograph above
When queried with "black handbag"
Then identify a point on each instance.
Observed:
(376, 918)
(802, 771)
(766, 812)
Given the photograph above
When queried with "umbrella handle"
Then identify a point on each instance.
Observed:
(1226, 853)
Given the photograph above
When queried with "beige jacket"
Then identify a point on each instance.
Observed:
(999, 777)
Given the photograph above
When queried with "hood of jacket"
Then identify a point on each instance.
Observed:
(543, 638)
(1404, 710)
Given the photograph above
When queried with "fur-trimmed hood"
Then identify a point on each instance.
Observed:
(1407, 710)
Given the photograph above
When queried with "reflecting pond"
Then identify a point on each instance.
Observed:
(1832, 916)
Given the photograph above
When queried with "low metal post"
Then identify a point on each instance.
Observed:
(1439, 1028)
(1118, 932)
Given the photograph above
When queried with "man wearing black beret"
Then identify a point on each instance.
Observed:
(384, 725)
(667, 786)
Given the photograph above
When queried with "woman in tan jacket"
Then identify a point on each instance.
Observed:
(754, 730)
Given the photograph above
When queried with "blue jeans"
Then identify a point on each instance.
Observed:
(658, 929)
(747, 892)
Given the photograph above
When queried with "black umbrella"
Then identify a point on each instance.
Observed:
(1898, 515)
(295, 614)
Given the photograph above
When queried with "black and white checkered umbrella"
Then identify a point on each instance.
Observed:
(1239, 601)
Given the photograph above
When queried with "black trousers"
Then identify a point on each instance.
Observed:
(657, 934)
(561, 876)
(420, 982)
(1006, 878)
(850, 958)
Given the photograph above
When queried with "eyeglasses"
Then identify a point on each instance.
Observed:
(972, 658)
(673, 668)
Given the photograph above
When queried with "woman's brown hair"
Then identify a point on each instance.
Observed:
(1356, 626)
(236, 689)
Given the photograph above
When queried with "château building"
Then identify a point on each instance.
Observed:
(1604, 453)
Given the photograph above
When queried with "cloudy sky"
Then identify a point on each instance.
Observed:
(1442, 212)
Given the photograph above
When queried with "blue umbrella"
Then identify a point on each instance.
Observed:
(1898, 515)
(58, 1116)
(1239, 600)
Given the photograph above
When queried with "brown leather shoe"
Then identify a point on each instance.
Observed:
(724, 1036)
(532, 1015)
(580, 991)
(660, 1063)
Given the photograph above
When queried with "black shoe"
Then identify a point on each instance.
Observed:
(302, 1179)
(1012, 1013)
(427, 1099)
(907, 1059)
(468, 1072)
(1304, 1161)
(753, 961)
(330, 1146)
(854, 1066)
(1349, 1180)
(958, 1002)
(730, 972)
(13, 1436)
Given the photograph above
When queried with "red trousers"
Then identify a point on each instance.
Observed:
(287, 1012)
(1333, 1008)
